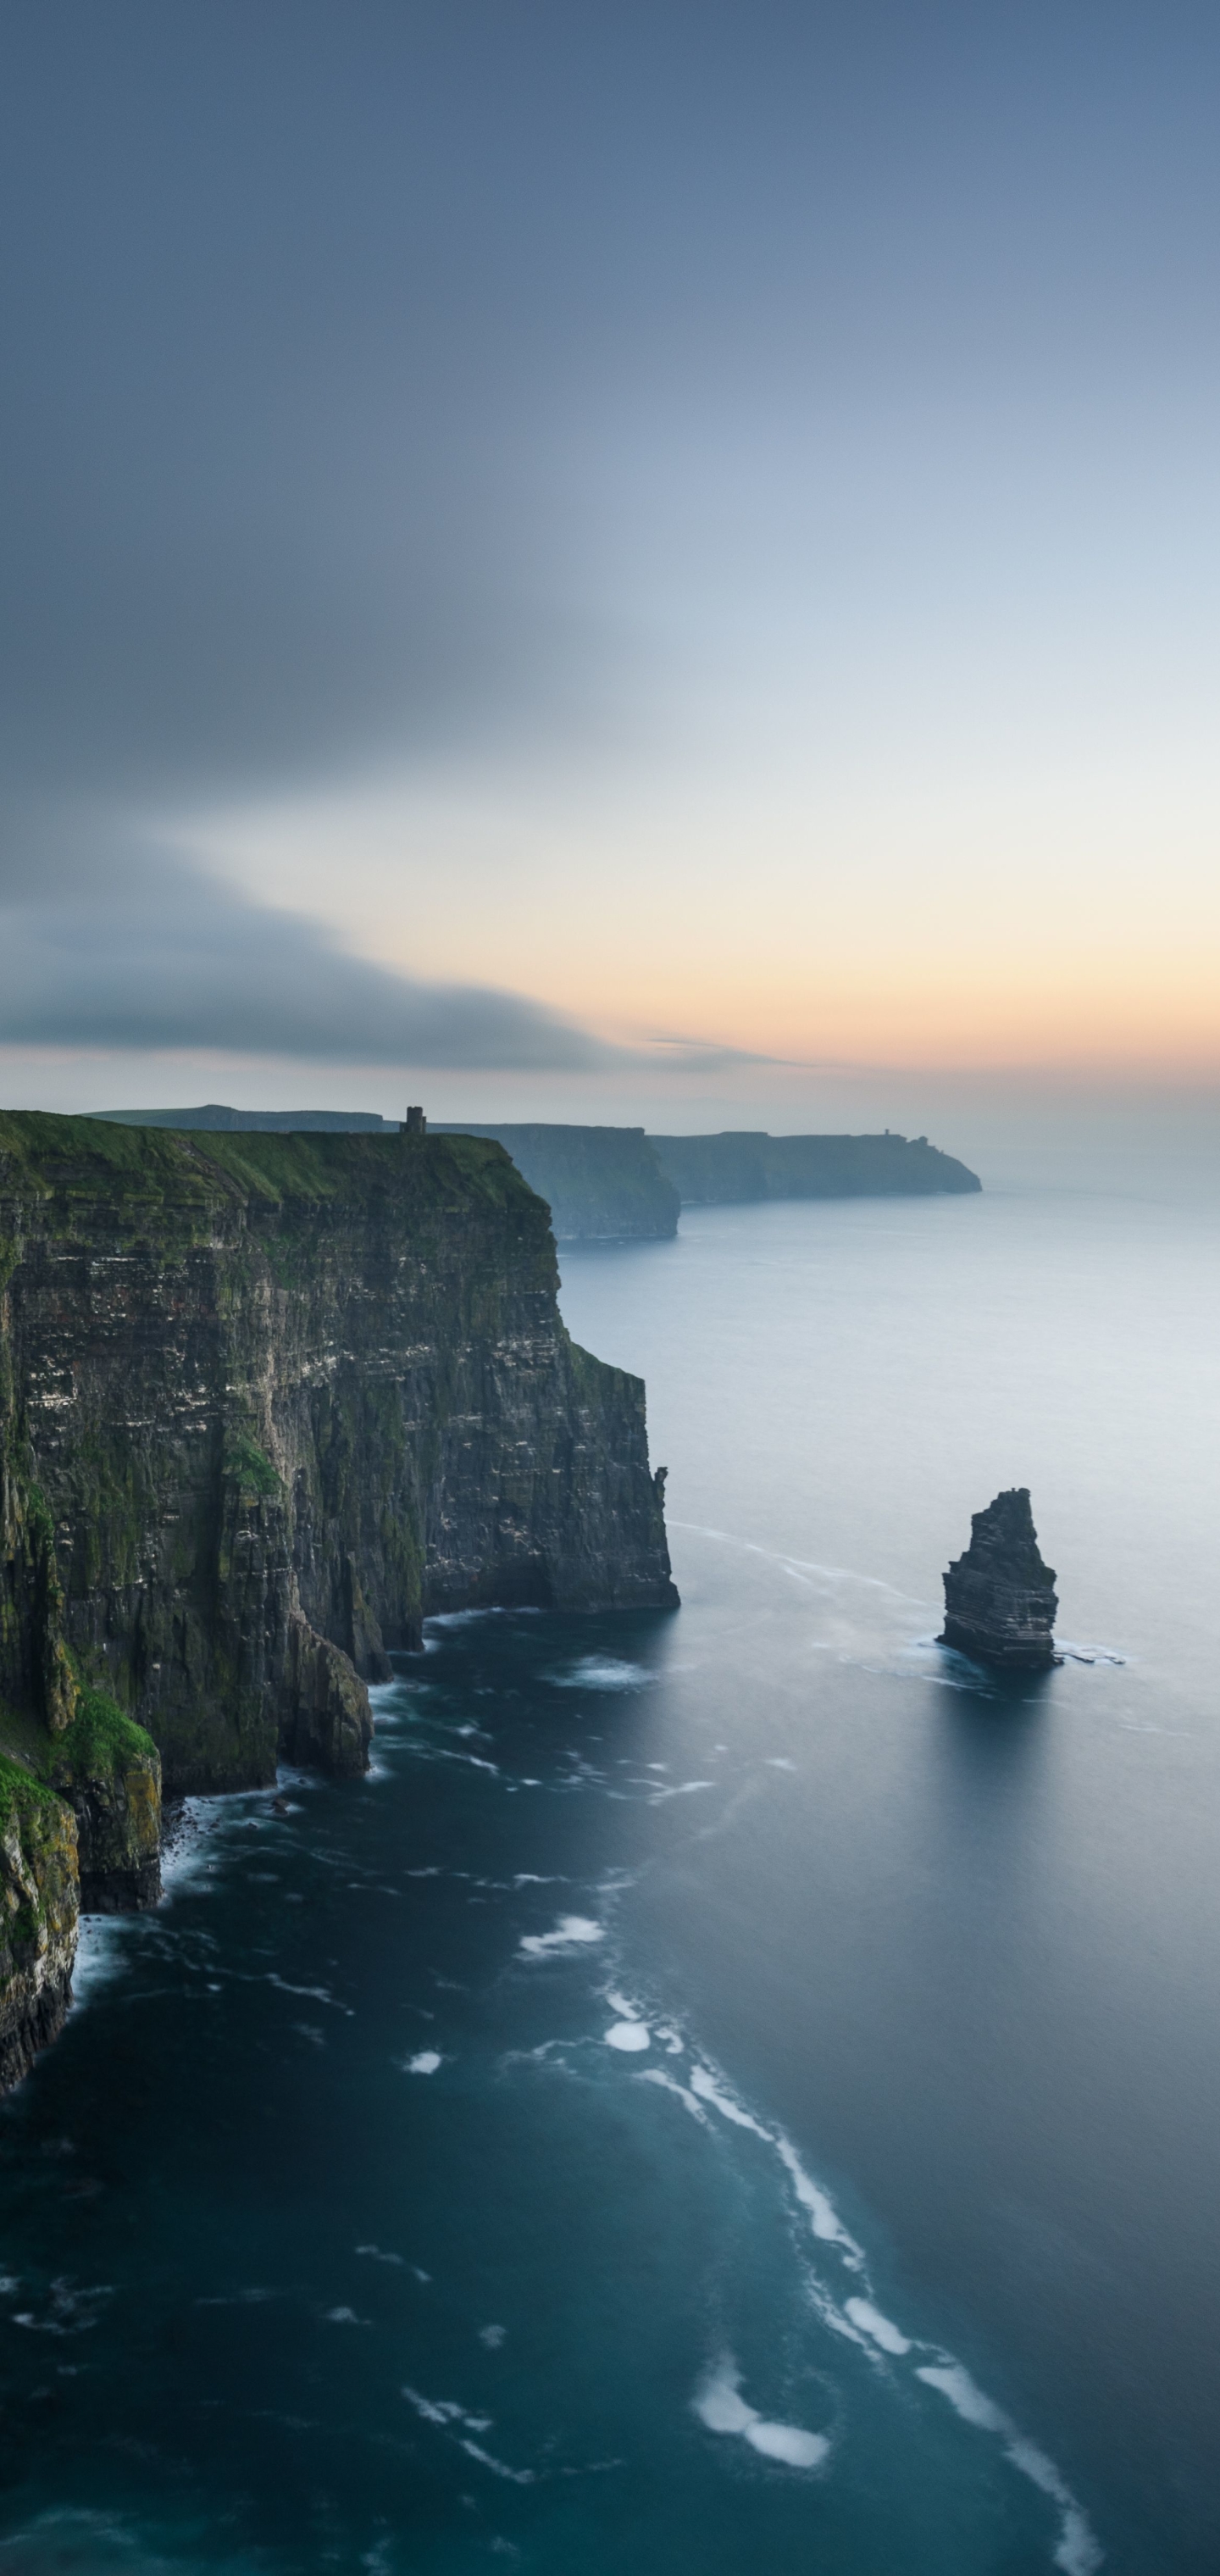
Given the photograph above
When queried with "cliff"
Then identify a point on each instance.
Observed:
(600, 1183)
(269, 1401)
(109, 1771)
(740, 1166)
(38, 1917)
(610, 1183)
(265, 1402)
(1000, 1599)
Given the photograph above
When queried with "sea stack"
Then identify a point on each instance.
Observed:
(1000, 1600)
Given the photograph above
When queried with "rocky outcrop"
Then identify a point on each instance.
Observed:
(38, 1917)
(325, 1707)
(742, 1166)
(266, 1401)
(1000, 1600)
(110, 1773)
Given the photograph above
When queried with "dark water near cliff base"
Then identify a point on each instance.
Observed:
(353, 2224)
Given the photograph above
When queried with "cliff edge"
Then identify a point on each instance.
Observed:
(265, 1402)
(269, 1400)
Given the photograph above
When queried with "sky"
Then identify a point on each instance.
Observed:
(640, 562)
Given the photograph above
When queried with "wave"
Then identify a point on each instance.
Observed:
(847, 2306)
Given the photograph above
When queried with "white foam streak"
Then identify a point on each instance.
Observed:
(786, 2442)
(447, 2416)
(1077, 2552)
(628, 2035)
(878, 2328)
(966, 2400)
(499, 2468)
(823, 2216)
(571, 1933)
(723, 2409)
(654, 2075)
(704, 2084)
(602, 1673)
(720, 2405)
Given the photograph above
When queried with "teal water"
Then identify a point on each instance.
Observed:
(733, 2089)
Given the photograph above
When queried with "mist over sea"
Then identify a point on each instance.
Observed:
(730, 2090)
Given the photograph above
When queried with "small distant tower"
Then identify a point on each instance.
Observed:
(414, 1124)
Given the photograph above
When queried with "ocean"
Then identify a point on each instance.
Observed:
(733, 2089)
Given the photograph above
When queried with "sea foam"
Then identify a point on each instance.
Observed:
(628, 2035)
(720, 2405)
(571, 1933)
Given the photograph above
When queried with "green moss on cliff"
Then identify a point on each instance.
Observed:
(269, 1377)
(34, 1831)
(102, 1739)
(38, 1916)
(249, 1468)
(22, 1793)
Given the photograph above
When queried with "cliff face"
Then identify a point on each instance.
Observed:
(1000, 1601)
(741, 1166)
(600, 1183)
(38, 1917)
(267, 1401)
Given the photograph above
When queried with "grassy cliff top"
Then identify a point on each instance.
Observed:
(86, 1159)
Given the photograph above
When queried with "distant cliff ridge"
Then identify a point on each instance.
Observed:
(604, 1183)
(265, 1402)
(213, 1119)
(740, 1165)
(600, 1183)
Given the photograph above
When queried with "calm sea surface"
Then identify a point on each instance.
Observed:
(732, 2091)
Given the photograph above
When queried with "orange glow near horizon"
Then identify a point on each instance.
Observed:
(940, 930)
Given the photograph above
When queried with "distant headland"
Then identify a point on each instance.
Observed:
(620, 1184)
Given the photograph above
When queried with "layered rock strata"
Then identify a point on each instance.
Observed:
(1000, 1600)
(265, 1402)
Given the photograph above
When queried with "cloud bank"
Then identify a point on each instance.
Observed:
(111, 945)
